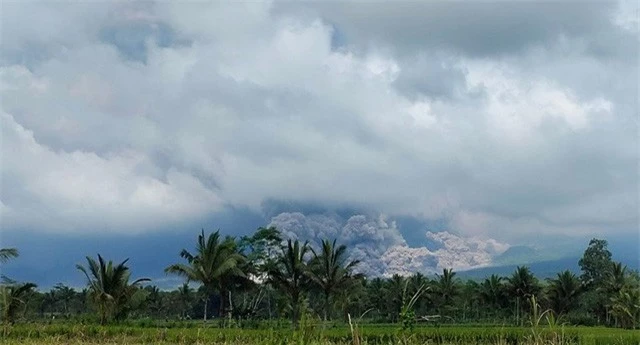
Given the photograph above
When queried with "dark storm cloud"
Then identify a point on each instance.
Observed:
(476, 28)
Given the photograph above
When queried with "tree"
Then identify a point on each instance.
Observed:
(185, 296)
(109, 288)
(155, 300)
(64, 295)
(615, 279)
(492, 292)
(12, 296)
(563, 292)
(288, 274)
(417, 281)
(393, 296)
(261, 246)
(522, 285)
(595, 263)
(470, 298)
(213, 259)
(626, 307)
(376, 297)
(7, 254)
(446, 287)
(330, 271)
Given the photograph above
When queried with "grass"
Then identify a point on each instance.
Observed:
(316, 335)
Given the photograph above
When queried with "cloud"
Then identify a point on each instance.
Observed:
(475, 29)
(501, 119)
(80, 189)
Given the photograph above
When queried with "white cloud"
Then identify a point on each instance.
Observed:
(214, 112)
(81, 191)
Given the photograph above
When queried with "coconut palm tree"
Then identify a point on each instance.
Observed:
(564, 291)
(625, 307)
(330, 271)
(615, 278)
(109, 287)
(492, 291)
(288, 273)
(522, 285)
(185, 296)
(213, 260)
(7, 254)
(375, 295)
(417, 281)
(64, 295)
(393, 295)
(12, 296)
(446, 286)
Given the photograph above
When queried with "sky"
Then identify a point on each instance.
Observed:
(501, 123)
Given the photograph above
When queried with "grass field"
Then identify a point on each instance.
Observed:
(366, 334)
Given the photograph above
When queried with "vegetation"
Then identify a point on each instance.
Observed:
(110, 290)
(265, 285)
(366, 334)
(213, 263)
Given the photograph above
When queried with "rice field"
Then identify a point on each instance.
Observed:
(316, 335)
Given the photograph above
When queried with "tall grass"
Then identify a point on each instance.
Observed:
(538, 333)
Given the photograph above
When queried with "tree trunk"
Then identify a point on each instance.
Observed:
(326, 305)
(206, 301)
(230, 313)
(269, 303)
(222, 304)
(294, 310)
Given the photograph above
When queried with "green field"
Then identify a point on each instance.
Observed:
(316, 334)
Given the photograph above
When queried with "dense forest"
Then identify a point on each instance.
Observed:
(245, 281)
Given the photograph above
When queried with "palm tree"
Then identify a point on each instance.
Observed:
(394, 295)
(376, 296)
(492, 291)
(65, 295)
(288, 273)
(615, 278)
(417, 281)
(12, 296)
(471, 299)
(213, 260)
(330, 271)
(185, 295)
(447, 286)
(7, 254)
(522, 285)
(109, 287)
(564, 291)
(626, 307)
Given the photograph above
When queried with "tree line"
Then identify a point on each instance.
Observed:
(243, 280)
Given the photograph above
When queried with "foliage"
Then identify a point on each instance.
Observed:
(258, 281)
(213, 260)
(110, 290)
(595, 263)
(7, 254)
(563, 292)
(330, 271)
(12, 297)
(366, 334)
(288, 274)
(407, 312)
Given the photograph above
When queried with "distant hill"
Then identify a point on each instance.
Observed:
(516, 255)
(541, 269)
